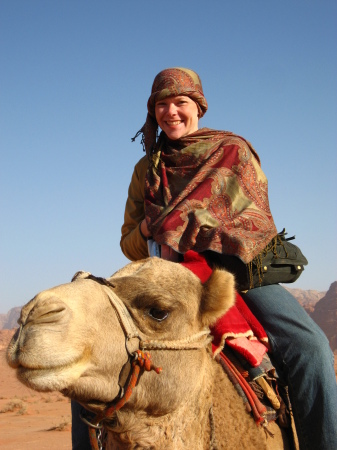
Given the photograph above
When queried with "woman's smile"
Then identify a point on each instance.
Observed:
(177, 116)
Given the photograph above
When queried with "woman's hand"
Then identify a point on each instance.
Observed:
(168, 253)
(144, 229)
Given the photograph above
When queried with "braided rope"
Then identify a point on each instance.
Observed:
(193, 342)
(141, 363)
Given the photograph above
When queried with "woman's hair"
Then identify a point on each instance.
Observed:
(170, 83)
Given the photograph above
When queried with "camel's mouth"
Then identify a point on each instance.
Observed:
(38, 379)
(52, 378)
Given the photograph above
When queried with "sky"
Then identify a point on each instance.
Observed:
(74, 81)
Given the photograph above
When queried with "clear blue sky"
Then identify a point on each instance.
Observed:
(75, 77)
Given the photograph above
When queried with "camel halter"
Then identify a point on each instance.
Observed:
(140, 359)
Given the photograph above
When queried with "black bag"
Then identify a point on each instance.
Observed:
(280, 262)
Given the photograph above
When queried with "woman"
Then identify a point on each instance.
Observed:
(204, 190)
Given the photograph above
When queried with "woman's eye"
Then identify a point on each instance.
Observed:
(158, 314)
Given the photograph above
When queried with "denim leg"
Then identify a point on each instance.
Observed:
(301, 353)
(79, 430)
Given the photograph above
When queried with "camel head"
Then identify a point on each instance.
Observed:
(71, 339)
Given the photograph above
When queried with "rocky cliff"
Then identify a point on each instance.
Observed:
(307, 298)
(325, 315)
(10, 320)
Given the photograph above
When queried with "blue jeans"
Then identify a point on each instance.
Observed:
(304, 360)
(79, 430)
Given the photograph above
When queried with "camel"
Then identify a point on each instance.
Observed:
(77, 339)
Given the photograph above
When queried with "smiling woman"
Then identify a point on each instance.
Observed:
(204, 190)
(177, 116)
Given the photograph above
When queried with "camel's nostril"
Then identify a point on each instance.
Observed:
(52, 316)
(49, 312)
(17, 333)
(11, 354)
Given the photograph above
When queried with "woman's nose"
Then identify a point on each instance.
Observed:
(172, 109)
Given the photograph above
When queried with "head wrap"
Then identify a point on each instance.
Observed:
(170, 83)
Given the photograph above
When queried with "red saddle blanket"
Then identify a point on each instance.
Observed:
(238, 328)
(241, 331)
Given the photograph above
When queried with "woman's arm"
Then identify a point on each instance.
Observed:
(133, 243)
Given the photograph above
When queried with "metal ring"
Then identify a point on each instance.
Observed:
(86, 421)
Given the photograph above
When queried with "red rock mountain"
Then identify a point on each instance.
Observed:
(10, 320)
(306, 298)
(325, 315)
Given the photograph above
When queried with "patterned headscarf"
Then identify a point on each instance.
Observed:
(169, 83)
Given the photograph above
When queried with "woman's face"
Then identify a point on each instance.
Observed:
(177, 116)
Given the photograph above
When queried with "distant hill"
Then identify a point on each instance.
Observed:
(325, 315)
(10, 320)
(321, 306)
(307, 299)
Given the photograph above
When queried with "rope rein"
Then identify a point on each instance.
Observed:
(194, 342)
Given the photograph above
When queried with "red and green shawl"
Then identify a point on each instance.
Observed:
(207, 191)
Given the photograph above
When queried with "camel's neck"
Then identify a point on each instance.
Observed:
(189, 426)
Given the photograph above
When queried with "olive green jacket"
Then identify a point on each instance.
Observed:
(132, 243)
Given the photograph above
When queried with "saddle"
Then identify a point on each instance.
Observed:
(240, 345)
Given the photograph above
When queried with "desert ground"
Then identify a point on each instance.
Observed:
(30, 420)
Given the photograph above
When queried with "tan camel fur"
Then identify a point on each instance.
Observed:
(71, 341)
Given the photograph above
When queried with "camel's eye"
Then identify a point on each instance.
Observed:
(158, 314)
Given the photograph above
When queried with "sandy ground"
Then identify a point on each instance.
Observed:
(28, 419)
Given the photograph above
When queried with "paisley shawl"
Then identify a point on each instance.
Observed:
(207, 191)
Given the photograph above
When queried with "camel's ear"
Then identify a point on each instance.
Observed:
(218, 295)
(80, 274)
